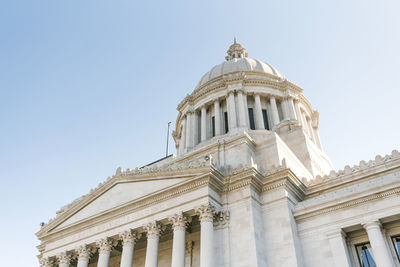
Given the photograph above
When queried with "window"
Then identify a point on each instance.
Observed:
(265, 117)
(226, 121)
(251, 119)
(365, 255)
(396, 244)
(213, 125)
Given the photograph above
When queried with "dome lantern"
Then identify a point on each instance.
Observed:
(236, 51)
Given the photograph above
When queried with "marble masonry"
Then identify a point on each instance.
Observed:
(250, 186)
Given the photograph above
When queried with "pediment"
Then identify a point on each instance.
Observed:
(118, 195)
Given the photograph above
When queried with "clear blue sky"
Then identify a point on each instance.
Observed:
(86, 86)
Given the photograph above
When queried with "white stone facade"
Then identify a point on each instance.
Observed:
(250, 186)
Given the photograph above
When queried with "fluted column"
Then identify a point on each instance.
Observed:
(63, 259)
(231, 110)
(178, 247)
(46, 262)
(183, 136)
(206, 215)
(104, 246)
(338, 248)
(241, 110)
(128, 245)
(84, 253)
(217, 112)
(381, 252)
(285, 109)
(258, 117)
(153, 235)
(203, 123)
(189, 129)
(292, 112)
(274, 109)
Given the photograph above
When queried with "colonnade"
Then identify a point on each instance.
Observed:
(381, 253)
(237, 113)
(153, 231)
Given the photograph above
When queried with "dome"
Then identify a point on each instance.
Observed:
(237, 60)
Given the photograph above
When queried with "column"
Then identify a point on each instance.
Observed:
(217, 112)
(104, 246)
(246, 110)
(46, 262)
(183, 136)
(274, 109)
(63, 259)
(381, 252)
(231, 110)
(285, 109)
(292, 112)
(241, 109)
(258, 117)
(189, 128)
(206, 215)
(297, 109)
(128, 244)
(203, 123)
(153, 235)
(83, 256)
(339, 250)
(178, 247)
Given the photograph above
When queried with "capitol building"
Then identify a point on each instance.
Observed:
(249, 186)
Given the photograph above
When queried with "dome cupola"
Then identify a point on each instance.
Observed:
(248, 97)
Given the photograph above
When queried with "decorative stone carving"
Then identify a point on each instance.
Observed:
(222, 218)
(152, 229)
(129, 237)
(84, 252)
(46, 262)
(363, 165)
(206, 212)
(104, 245)
(179, 221)
(64, 258)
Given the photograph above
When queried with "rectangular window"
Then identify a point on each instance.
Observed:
(251, 119)
(396, 244)
(226, 121)
(213, 125)
(265, 117)
(365, 256)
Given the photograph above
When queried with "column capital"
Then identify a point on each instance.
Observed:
(84, 252)
(372, 224)
(153, 230)
(129, 237)
(222, 218)
(179, 221)
(104, 245)
(206, 212)
(63, 258)
(46, 262)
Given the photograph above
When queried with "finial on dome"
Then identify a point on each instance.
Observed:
(236, 50)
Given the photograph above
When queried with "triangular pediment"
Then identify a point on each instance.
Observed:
(115, 196)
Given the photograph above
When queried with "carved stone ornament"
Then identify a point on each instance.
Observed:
(64, 258)
(83, 252)
(129, 237)
(152, 229)
(189, 247)
(46, 262)
(104, 245)
(206, 212)
(222, 218)
(179, 221)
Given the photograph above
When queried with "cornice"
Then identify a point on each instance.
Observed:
(303, 214)
(141, 202)
(352, 174)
